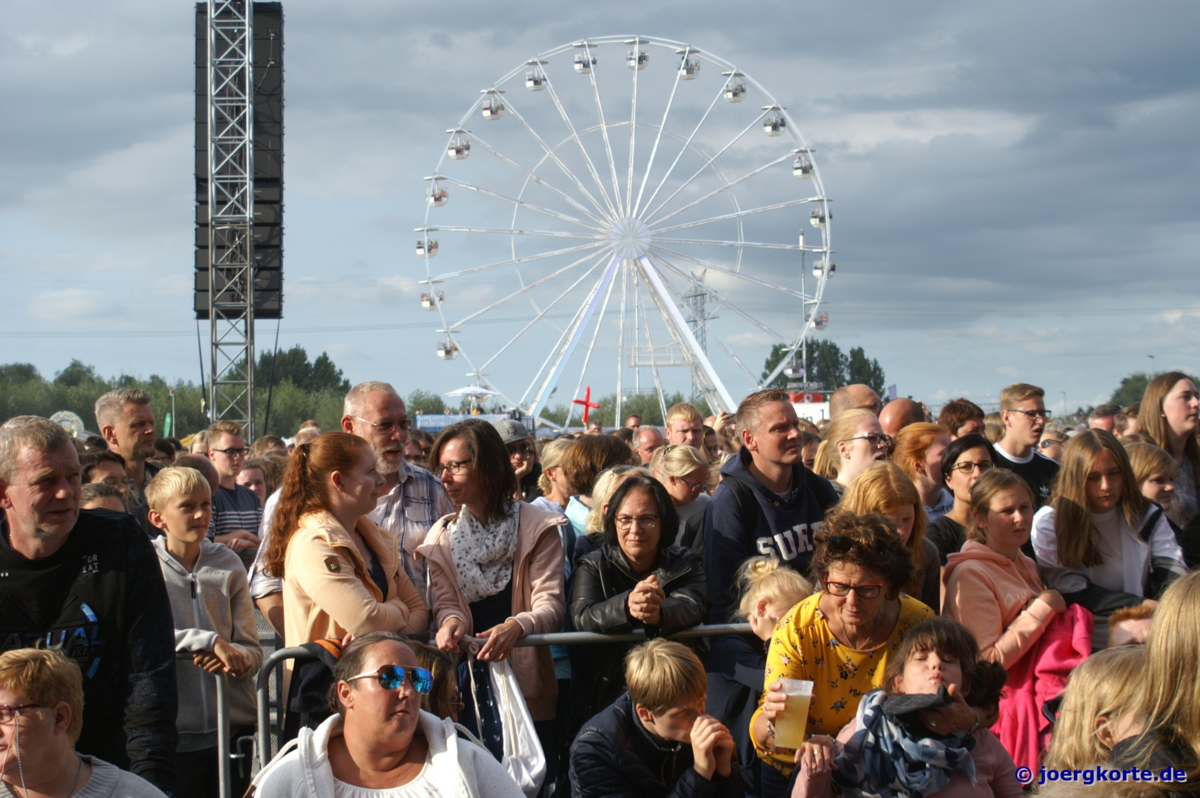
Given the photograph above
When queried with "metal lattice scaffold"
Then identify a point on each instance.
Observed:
(231, 211)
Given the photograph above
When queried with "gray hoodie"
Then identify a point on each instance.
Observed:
(210, 601)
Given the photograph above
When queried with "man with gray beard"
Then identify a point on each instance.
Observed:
(412, 501)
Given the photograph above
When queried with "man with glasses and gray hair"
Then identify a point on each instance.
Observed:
(411, 501)
(1023, 410)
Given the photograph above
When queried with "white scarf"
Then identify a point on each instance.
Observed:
(483, 553)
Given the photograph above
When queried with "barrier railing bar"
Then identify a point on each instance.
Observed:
(262, 688)
(569, 638)
(224, 755)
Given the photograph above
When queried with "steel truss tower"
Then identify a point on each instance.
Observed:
(231, 211)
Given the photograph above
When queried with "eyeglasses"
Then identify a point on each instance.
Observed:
(1046, 444)
(524, 449)
(453, 468)
(966, 466)
(625, 522)
(875, 438)
(842, 589)
(233, 452)
(1042, 414)
(387, 427)
(694, 487)
(9, 714)
(416, 459)
(391, 677)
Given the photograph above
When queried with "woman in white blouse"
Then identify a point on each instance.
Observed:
(1099, 542)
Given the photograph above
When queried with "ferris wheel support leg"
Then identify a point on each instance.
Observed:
(718, 397)
(598, 293)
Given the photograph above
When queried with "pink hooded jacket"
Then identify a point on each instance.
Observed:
(996, 599)
(538, 597)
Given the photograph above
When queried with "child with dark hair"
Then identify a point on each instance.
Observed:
(890, 749)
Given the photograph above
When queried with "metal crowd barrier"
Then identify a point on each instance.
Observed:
(264, 735)
(262, 685)
(225, 754)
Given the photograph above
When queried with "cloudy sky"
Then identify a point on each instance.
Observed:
(1016, 185)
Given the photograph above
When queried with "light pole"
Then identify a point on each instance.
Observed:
(1151, 366)
(1064, 393)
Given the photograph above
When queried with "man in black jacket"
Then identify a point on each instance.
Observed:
(89, 585)
(767, 504)
(656, 741)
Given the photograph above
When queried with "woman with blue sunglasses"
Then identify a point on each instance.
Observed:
(380, 740)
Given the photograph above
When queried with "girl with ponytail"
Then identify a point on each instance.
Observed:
(341, 573)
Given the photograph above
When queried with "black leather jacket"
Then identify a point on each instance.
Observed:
(599, 596)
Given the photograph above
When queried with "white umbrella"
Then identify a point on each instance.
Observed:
(473, 391)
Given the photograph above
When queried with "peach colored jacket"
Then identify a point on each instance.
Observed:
(539, 603)
(328, 592)
(996, 598)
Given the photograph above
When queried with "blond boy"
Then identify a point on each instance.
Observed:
(214, 621)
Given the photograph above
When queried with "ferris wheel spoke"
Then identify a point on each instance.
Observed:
(567, 331)
(658, 388)
(540, 181)
(544, 311)
(515, 201)
(523, 259)
(510, 231)
(621, 344)
(520, 292)
(587, 156)
(683, 149)
(709, 242)
(654, 149)
(637, 47)
(736, 215)
(722, 299)
(702, 369)
(553, 156)
(587, 357)
(560, 362)
(612, 163)
(650, 215)
(735, 274)
(709, 330)
(728, 185)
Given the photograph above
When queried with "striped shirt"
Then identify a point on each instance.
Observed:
(233, 510)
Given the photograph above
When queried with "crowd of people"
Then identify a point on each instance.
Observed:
(971, 600)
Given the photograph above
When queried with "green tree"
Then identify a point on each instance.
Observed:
(76, 374)
(864, 370)
(420, 401)
(1131, 389)
(828, 367)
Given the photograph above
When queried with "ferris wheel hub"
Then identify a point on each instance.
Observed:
(630, 238)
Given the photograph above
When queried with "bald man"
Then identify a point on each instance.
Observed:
(898, 414)
(853, 397)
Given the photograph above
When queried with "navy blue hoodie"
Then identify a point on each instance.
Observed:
(781, 527)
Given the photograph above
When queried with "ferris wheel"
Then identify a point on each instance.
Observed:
(627, 213)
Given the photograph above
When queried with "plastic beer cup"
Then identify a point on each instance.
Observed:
(791, 724)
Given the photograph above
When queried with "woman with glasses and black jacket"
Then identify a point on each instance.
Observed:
(635, 580)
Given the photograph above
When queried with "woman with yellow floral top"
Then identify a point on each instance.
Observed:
(842, 637)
